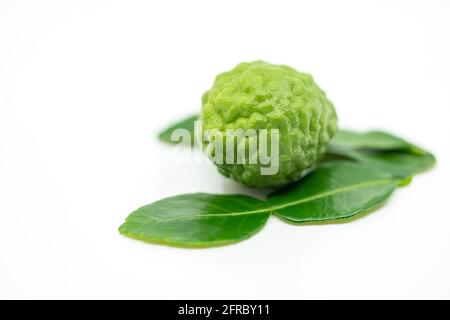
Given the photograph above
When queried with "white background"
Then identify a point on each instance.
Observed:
(85, 86)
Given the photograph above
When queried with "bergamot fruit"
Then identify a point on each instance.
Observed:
(260, 95)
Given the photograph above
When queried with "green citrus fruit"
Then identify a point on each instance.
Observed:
(259, 95)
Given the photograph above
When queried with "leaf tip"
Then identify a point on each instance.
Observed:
(405, 182)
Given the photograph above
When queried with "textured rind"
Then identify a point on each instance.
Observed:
(259, 95)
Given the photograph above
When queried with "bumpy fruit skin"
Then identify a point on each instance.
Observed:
(259, 95)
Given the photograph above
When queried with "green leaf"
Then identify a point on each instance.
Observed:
(187, 123)
(373, 140)
(197, 220)
(402, 165)
(397, 163)
(336, 190)
(340, 152)
(381, 151)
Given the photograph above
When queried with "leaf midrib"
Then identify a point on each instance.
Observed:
(282, 206)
